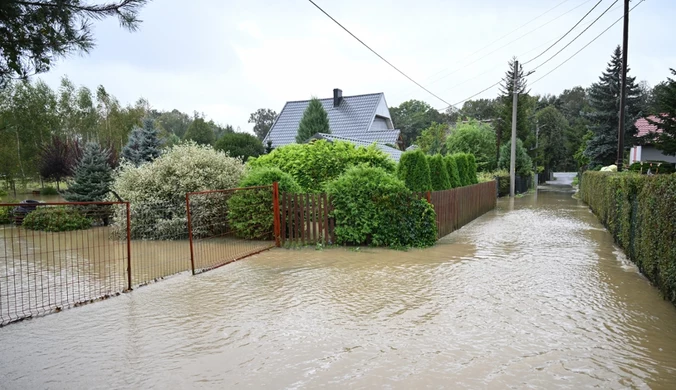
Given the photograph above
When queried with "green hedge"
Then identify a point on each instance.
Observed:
(373, 207)
(655, 167)
(250, 212)
(463, 168)
(438, 173)
(471, 168)
(453, 173)
(56, 219)
(640, 212)
(414, 171)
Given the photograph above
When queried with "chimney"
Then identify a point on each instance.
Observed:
(337, 97)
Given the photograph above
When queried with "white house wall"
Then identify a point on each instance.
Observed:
(383, 111)
(649, 153)
(380, 124)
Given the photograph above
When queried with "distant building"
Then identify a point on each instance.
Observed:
(360, 119)
(648, 151)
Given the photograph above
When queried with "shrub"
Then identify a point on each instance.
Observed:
(156, 190)
(92, 178)
(438, 173)
(250, 212)
(655, 167)
(56, 219)
(471, 168)
(414, 171)
(49, 191)
(476, 138)
(639, 211)
(6, 212)
(524, 164)
(463, 168)
(242, 145)
(373, 207)
(314, 164)
(452, 168)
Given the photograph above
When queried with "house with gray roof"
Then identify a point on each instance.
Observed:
(360, 119)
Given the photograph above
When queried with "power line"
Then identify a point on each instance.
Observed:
(578, 35)
(585, 46)
(566, 34)
(376, 53)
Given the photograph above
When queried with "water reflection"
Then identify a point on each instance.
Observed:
(534, 296)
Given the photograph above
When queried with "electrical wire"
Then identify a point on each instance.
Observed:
(566, 34)
(376, 53)
(585, 46)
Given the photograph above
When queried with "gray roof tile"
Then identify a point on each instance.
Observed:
(352, 119)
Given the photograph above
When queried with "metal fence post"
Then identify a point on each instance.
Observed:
(275, 210)
(128, 245)
(192, 252)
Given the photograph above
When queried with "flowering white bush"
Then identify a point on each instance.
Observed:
(156, 190)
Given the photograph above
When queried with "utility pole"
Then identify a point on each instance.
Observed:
(623, 88)
(512, 159)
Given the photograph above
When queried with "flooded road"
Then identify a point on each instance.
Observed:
(533, 294)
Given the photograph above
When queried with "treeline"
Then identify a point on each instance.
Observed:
(565, 132)
(36, 121)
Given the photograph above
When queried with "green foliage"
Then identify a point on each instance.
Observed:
(263, 120)
(143, 145)
(471, 168)
(639, 211)
(156, 190)
(242, 145)
(524, 108)
(250, 212)
(476, 138)
(453, 172)
(481, 109)
(414, 171)
(464, 170)
(200, 132)
(438, 173)
(373, 207)
(655, 167)
(524, 165)
(551, 152)
(433, 139)
(6, 211)
(318, 162)
(665, 102)
(580, 157)
(93, 176)
(315, 120)
(49, 191)
(56, 219)
(43, 31)
(412, 116)
(604, 99)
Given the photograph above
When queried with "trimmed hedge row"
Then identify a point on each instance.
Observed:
(423, 173)
(640, 212)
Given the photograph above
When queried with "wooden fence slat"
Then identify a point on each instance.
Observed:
(314, 218)
(325, 216)
(283, 217)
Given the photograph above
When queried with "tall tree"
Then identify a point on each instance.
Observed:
(433, 139)
(574, 105)
(503, 126)
(93, 176)
(262, 119)
(242, 145)
(665, 109)
(200, 132)
(315, 120)
(58, 159)
(604, 99)
(551, 152)
(412, 117)
(33, 34)
(476, 138)
(143, 144)
(481, 109)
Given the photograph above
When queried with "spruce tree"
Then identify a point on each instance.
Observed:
(93, 176)
(315, 120)
(666, 111)
(143, 144)
(604, 99)
(452, 168)
(503, 127)
(438, 173)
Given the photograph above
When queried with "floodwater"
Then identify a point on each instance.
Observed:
(531, 295)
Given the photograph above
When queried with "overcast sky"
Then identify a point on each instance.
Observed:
(228, 58)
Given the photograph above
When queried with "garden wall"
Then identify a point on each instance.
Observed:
(640, 212)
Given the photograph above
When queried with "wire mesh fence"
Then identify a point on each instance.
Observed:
(58, 255)
(227, 225)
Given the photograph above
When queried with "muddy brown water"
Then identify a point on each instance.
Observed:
(531, 295)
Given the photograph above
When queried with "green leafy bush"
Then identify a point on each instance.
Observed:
(156, 190)
(639, 211)
(476, 138)
(56, 219)
(49, 191)
(250, 212)
(471, 168)
(314, 164)
(524, 164)
(373, 207)
(242, 145)
(414, 171)
(6, 212)
(453, 174)
(655, 167)
(438, 173)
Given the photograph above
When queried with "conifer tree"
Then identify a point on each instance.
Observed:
(315, 120)
(438, 173)
(666, 111)
(452, 168)
(414, 171)
(93, 176)
(143, 144)
(503, 127)
(471, 168)
(604, 99)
